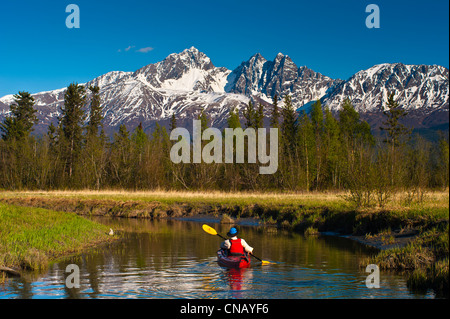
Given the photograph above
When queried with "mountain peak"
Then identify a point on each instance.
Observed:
(189, 70)
(256, 60)
(257, 56)
(263, 78)
(191, 58)
(282, 57)
(190, 52)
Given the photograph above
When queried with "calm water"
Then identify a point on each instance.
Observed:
(177, 259)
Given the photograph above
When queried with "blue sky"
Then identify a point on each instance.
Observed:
(38, 52)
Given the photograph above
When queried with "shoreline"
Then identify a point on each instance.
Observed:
(382, 229)
(375, 241)
(32, 238)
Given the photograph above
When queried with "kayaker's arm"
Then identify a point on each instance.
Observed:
(225, 244)
(246, 246)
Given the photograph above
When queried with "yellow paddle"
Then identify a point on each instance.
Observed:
(213, 232)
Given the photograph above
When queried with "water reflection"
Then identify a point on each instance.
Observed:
(239, 281)
(176, 259)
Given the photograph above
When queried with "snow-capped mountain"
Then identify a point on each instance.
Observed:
(185, 83)
(415, 87)
(190, 70)
(259, 77)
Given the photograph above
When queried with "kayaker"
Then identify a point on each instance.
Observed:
(236, 246)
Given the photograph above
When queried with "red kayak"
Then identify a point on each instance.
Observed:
(232, 261)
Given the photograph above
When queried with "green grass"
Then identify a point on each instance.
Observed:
(30, 237)
(426, 256)
(433, 276)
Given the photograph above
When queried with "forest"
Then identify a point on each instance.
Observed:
(319, 151)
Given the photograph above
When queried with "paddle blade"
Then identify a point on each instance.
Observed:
(263, 262)
(209, 230)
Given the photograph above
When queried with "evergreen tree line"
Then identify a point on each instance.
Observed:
(317, 152)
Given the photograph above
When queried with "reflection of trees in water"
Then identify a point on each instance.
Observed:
(163, 241)
(169, 253)
(321, 251)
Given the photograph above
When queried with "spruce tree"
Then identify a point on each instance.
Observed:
(233, 119)
(352, 129)
(289, 126)
(275, 179)
(232, 172)
(259, 117)
(96, 117)
(139, 141)
(249, 115)
(306, 145)
(331, 147)
(94, 152)
(120, 161)
(20, 123)
(394, 129)
(348, 121)
(173, 122)
(396, 133)
(357, 155)
(275, 116)
(317, 123)
(289, 146)
(71, 120)
(203, 120)
(139, 138)
(51, 133)
(317, 117)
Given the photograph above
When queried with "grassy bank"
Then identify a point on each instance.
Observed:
(31, 237)
(425, 256)
(411, 236)
(298, 212)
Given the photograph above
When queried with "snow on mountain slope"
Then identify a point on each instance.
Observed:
(186, 83)
(109, 78)
(415, 87)
(190, 70)
(260, 77)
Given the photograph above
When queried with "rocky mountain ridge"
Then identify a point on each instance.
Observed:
(188, 82)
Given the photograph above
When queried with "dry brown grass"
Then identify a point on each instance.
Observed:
(433, 199)
(213, 197)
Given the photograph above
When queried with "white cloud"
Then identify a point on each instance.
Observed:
(145, 50)
(142, 50)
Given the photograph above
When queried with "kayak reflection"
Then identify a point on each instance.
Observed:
(238, 279)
